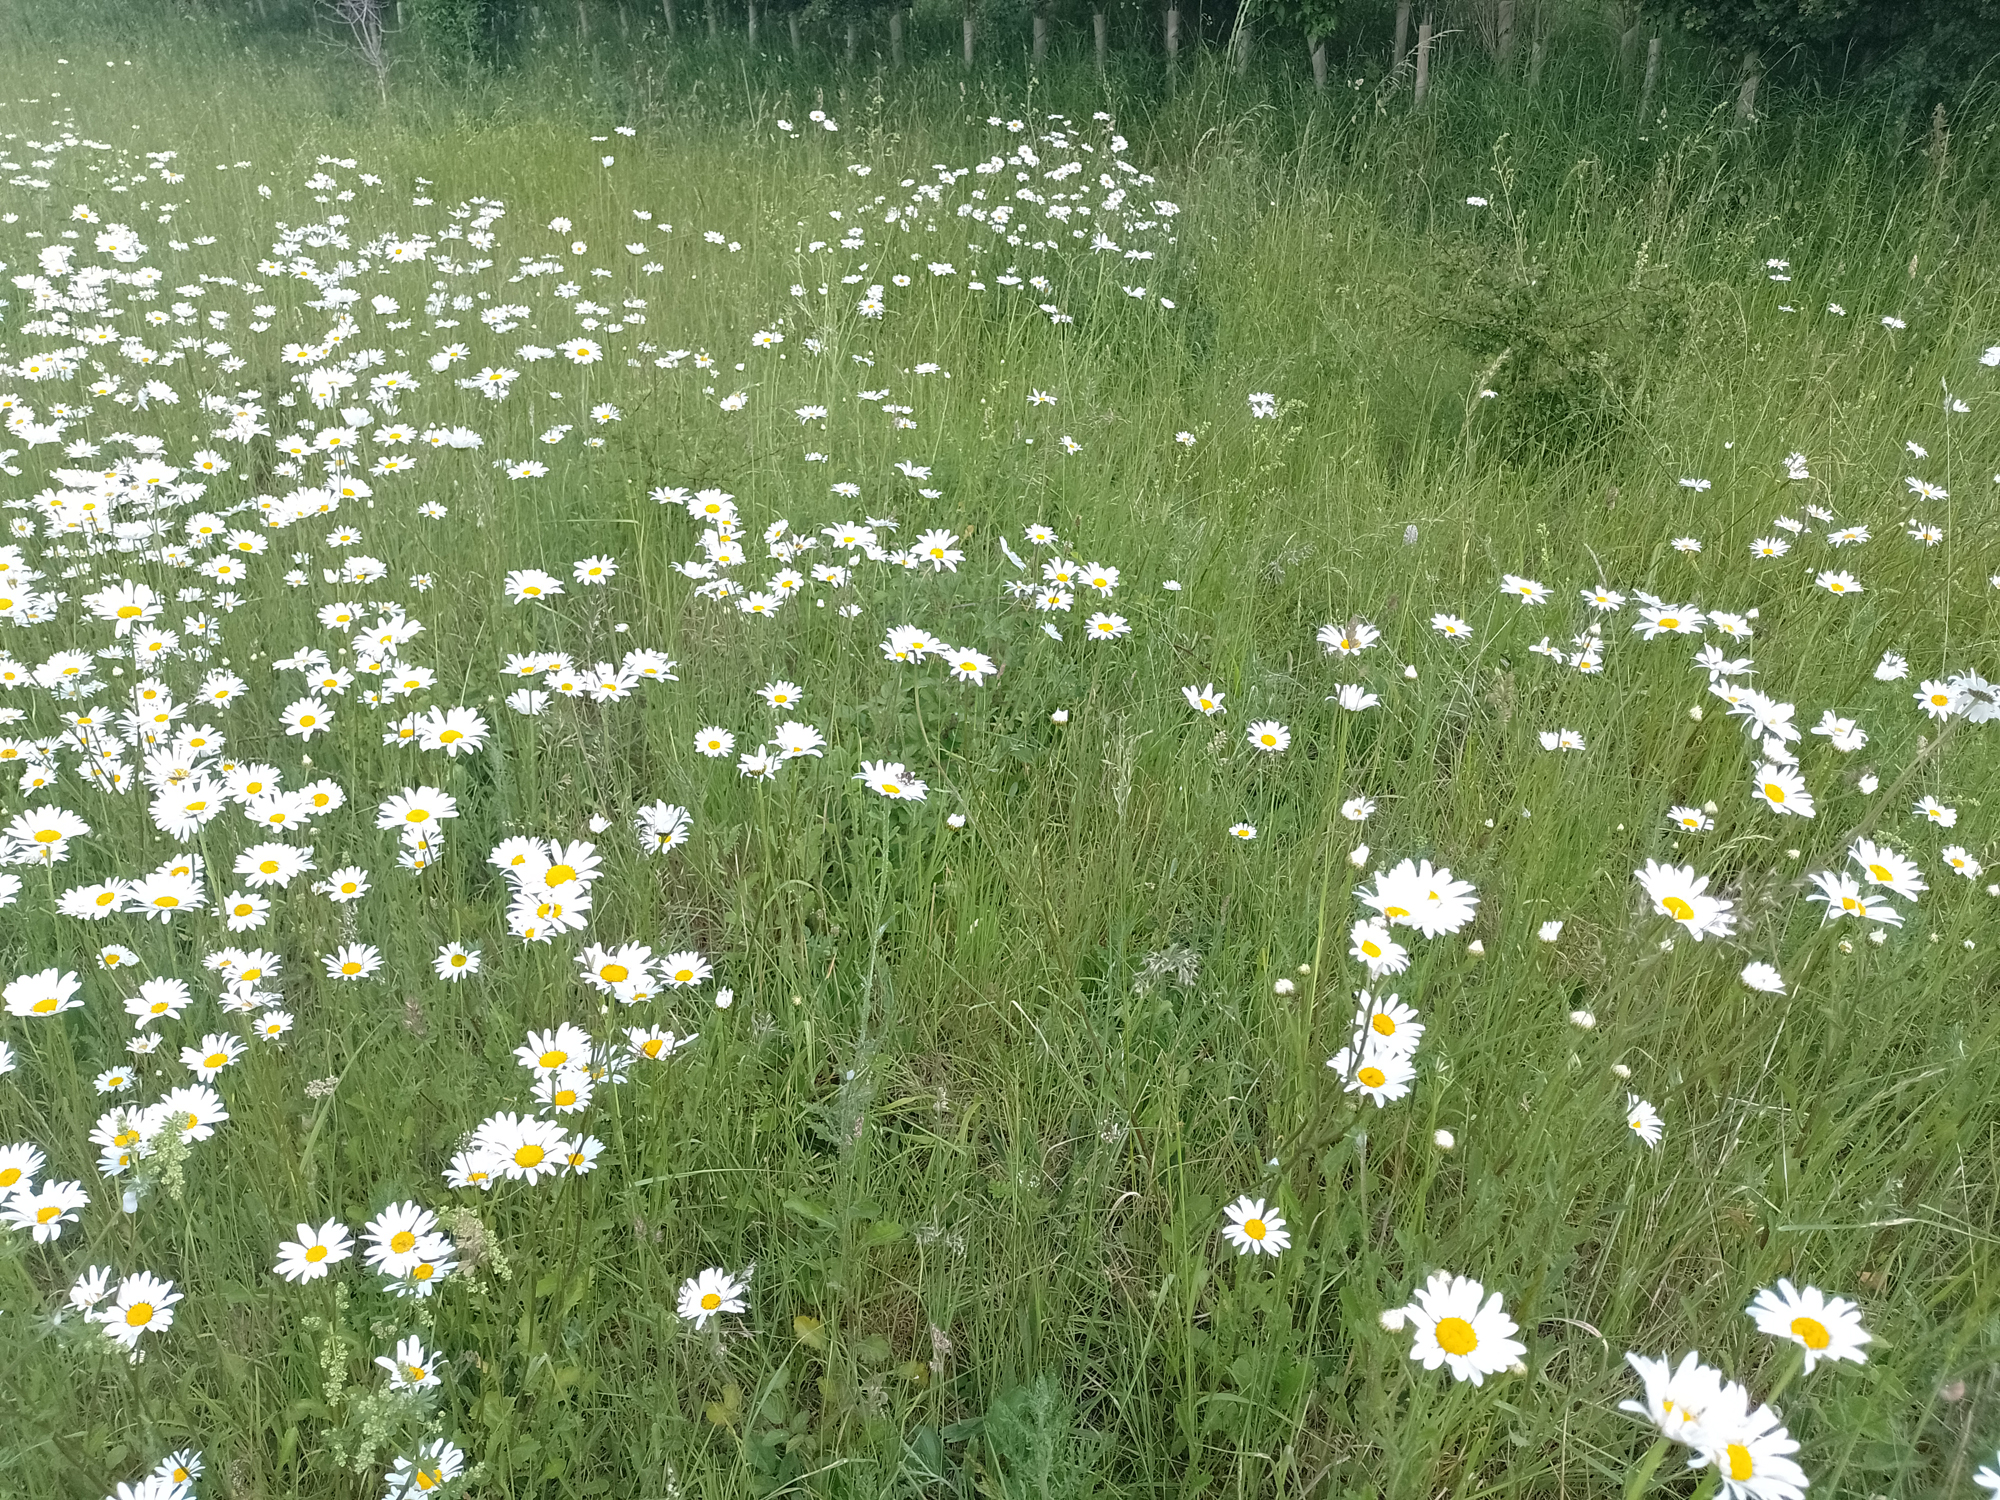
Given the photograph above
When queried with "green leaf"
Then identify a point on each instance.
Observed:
(812, 1213)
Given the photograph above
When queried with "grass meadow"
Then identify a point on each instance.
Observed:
(961, 1086)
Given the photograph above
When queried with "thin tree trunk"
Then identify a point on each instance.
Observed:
(714, 27)
(1041, 53)
(1423, 60)
(1173, 35)
(1240, 39)
(792, 19)
(850, 44)
(896, 34)
(1746, 97)
(1319, 62)
(1652, 80)
(753, 22)
(1402, 33)
(1100, 30)
(673, 21)
(1503, 51)
(1538, 52)
(966, 28)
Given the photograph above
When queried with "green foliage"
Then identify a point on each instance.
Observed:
(1566, 357)
(463, 32)
(980, 1160)
(1933, 45)
(1034, 1448)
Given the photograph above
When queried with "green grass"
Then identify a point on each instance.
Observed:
(977, 1161)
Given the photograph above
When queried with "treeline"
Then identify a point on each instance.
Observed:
(1915, 47)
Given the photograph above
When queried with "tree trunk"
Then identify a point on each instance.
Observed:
(1041, 53)
(714, 29)
(1746, 97)
(896, 34)
(965, 26)
(1503, 48)
(1100, 30)
(1318, 44)
(1651, 82)
(1423, 60)
(850, 44)
(1240, 39)
(1402, 33)
(792, 20)
(1173, 35)
(1538, 52)
(753, 22)
(673, 21)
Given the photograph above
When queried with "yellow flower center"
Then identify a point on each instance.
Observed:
(129, 612)
(529, 1155)
(1740, 1466)
(1811, 1332)
(1384, 1025)
(215, 1060)
(651, 1049)
(45, 1005)
(316, 1254)
(1255, 1228)
(553, 1059)
(9, 1176)
(1372, 1076)
(47, 835)
(403, 1242)
(1775, 792)
(1393, 912)
(559, 875)
(614, 973)
(47, 1212)
(138, 1315)
(563, 1097)
(268, 867)
(1880, 873)
(416, 815)
(1678, 909)
(423, 1272)
(350, 968)
(1455, 1336)
(710, 1301)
